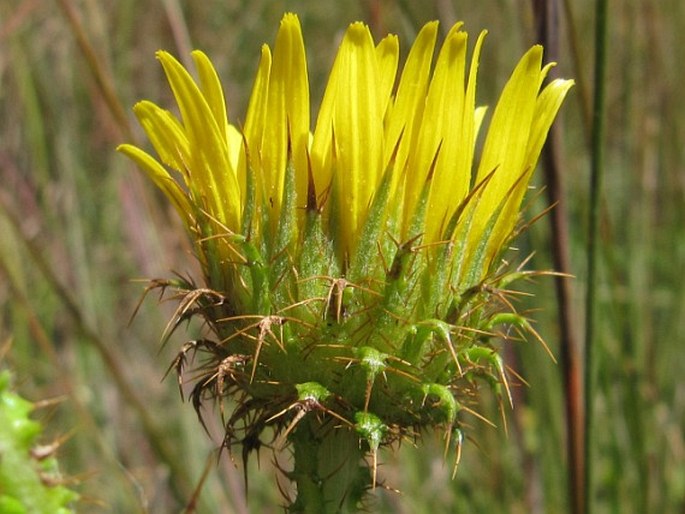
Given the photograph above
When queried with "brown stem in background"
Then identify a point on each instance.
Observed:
(374, 16)
(547, 23)
(99, 73)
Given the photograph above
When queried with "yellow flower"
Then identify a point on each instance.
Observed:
(344, 262)
(422, 134)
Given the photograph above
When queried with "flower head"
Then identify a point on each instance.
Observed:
(345, 260)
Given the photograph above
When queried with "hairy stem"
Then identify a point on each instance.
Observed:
(328, 469)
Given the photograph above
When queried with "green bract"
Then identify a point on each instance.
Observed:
(30, 482)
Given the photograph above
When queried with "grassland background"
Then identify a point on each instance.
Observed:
(78, 223)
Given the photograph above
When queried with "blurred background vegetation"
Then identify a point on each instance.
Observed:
(78, 225)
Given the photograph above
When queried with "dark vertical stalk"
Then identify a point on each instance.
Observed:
(547, 18)
(596, 172)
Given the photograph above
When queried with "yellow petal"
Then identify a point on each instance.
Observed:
(387, 54)
(211, 89)
(441, 131)
(322, 139)
(209, 164)
(255, 120)
(358, 127)
(256, 109)
(287, 116)
(407, 110)
(296, 95)
(161, 178)
(507, 140)
(507, 137)
(546, 108)
(235, 143)
(166, 135)
(275, 142)
(471, 121)
(478, 117)
(469, 129)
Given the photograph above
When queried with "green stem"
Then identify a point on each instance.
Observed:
(328, 472)
(597, 165)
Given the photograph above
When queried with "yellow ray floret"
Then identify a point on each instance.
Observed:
(420, 127)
